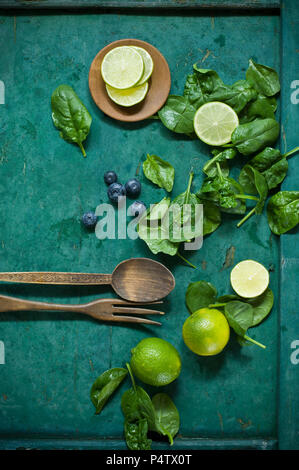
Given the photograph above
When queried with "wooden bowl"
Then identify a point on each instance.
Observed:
(159, 85)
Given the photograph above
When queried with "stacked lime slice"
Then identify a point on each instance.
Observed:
(126, 71)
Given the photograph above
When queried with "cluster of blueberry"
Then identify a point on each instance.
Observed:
(117, 191)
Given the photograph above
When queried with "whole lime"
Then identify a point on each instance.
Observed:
(155, 361)
(206, 332)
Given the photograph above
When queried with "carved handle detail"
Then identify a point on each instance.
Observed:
(56, 278)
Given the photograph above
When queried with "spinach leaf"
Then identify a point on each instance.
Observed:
(167, 416)
(254, 182)
(200, 294)
(225, 192)
(177, 115)
(240, 317)
(211, 216)
(261, 107)
(264, 79)
(256, 135)
(105, 385)
(158, 210)
(136, 435)
(262, 306)
(139, 414)
(156, 235)
(220, 156)
(159, 172)
(283, 211)
(185, 221)
(70, 116)
(272, 164)
(205, 85)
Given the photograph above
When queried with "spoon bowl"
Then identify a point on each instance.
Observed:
(142, 280)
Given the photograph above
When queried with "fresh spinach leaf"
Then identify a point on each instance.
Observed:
(177, 115)
(159, 172)
(220, 156)
(157, 211)
(211, 216)
(185, 221)
(254, 136)
(105, 385)
(167, 420)
(262, 306)
(272, 165)
(200, 294)
(225, 192)
(283, 211)
(136, 434)
(262, 107)
(264, 79)
(240, 317)
(139, 414)
(70, 116)
(156, 235)
(254, 182)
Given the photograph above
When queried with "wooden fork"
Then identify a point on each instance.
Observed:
(101, 309)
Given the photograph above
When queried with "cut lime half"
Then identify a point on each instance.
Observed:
(215, 122)
(148, 64)
(122, 67)
(128, 97)
(249, 278)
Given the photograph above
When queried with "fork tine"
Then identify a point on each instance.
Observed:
(136, 311)
(120, 318)
(128, 303)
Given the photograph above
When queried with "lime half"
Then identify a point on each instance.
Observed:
(249, 278)
(122, 67)
(128, 97)
(215, 122)
(148, 64)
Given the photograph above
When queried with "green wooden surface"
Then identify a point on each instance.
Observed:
(51, 360)
(289, 338)
(201, 4)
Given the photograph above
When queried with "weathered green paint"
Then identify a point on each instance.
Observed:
(289, 335)
(201, 4)
(227, 401)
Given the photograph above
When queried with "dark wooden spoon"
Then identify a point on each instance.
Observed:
(135, 279)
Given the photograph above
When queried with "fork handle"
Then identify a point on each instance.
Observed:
(13, 304)
(56, 278)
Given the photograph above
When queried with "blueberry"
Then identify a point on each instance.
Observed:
(110, 177)
(115, 191)
(137, 208)
(89, 219)
(133, 187)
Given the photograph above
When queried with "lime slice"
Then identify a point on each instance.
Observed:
(148, 64)
(214, 123)
(249, 278)
(122, 67)
(128, 97)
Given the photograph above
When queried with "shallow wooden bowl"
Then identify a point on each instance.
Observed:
(159, 85)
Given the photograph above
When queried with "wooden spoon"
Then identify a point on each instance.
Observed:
(135, 279)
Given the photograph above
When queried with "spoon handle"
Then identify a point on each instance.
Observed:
(88, 279)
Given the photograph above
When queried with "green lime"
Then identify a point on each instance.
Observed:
(215, 122)
(206, 332)
(148, 64)
(122, 67)
(155, 361)
(128, 97)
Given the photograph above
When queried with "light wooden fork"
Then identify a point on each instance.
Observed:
(101, 309)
